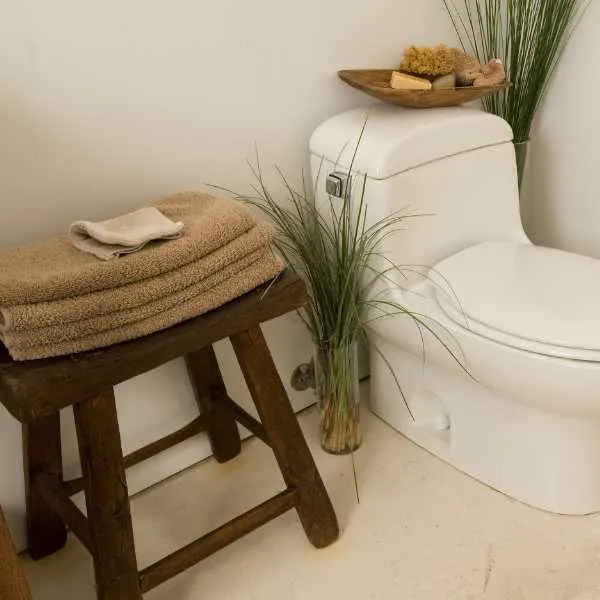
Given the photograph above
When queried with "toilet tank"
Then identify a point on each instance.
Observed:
(454, 169)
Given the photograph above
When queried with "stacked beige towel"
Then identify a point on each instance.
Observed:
(55, 299)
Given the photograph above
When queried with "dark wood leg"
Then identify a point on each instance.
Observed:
(207, 381)
(46, 533)
(13, 585)
(285, 436)
(107, 498)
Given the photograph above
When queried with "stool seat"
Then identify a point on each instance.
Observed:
(34, 389)
(34, 392)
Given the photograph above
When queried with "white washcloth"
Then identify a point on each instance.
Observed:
(123, 235)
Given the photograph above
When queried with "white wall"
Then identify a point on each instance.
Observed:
(565, 166)
(104, 105)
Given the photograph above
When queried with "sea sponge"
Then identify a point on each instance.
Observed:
(491, 74)
(466, 67)
(428, 61)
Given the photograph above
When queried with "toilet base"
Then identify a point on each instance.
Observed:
(548, 461)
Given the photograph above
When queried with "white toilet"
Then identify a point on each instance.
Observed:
(526, 418)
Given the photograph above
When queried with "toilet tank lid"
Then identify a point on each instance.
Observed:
(396, 139)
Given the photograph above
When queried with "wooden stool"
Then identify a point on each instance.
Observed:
(35, 392)
(12, 580)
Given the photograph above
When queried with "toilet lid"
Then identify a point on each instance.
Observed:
(518, 293)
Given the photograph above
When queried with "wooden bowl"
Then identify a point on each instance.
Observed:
(376, 83)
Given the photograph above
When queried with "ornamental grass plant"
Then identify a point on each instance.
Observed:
(529, 36)
(332, 245)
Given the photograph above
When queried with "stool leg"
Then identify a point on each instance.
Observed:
(46, 533)
(287, 441)
(208, 385)
(13, 585)
(107, 499)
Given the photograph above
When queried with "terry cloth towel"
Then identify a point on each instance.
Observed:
(25, 318)
(208, 298)
(96, 323)
(55, 269)
(123, 235)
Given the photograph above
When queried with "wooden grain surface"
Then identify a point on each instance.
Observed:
(286, 438)
(35, 392)
(13, 585)
(107, 499)
(33, 389)
(209, 391)
(376, 83)
(42, 454)
(214, 541)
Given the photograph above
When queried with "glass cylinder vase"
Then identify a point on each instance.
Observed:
(521, 150)
(336, 370)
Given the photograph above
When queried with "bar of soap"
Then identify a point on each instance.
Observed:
(444, 82)
(402, 81)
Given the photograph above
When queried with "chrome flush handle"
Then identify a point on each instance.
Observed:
(338, 184)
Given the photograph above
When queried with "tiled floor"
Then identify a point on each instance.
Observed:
(422, 531)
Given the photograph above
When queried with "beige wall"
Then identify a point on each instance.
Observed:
(104, 104)
(565, 158)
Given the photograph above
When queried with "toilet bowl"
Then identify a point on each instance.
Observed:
(501, 375)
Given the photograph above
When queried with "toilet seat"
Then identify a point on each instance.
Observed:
(527, 297)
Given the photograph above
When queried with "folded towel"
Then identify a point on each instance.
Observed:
(55, 269)
(247, 279)
(125, 234)
(29, 317)
(120, 318)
